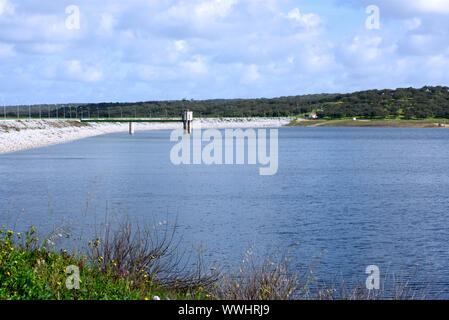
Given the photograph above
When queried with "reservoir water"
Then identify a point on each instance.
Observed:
(343, 198)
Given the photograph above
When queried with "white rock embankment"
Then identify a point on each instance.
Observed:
(18, 135)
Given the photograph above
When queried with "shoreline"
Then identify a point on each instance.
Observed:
(18, 135)
(363, 123)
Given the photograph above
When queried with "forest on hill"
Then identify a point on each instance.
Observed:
(406, 103)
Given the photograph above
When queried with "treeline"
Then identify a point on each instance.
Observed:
(276, 107)
(407, 103)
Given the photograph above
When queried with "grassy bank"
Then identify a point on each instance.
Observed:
(29, 270)
(128, 264)
(123, 266)
(381, 123)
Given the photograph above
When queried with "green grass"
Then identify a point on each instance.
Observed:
(29, 271)
(386, 123)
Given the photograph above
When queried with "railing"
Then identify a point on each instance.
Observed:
(80, 112)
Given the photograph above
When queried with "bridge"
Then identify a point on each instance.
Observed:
(186, 119)
(130, 120)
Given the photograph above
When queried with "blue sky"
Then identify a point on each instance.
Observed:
(138, 50)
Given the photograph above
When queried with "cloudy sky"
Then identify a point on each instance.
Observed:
(139, 50)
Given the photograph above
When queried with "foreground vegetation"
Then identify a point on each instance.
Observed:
(32, 271)
(123, 265)
(126, 264)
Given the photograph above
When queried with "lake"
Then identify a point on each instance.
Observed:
(342, 199)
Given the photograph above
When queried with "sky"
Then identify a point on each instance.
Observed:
(139, 50)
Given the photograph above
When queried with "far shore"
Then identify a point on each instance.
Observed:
(380, 123)
(16, 135)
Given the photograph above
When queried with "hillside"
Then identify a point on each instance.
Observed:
(406, 103)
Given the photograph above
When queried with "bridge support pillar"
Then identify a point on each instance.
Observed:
(187, 118)
(131, 128)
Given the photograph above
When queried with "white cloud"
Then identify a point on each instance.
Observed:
(405, 8)
(37, 28)
(180, 45)
(433, 6)
(200, 13)
(438, 66)
(196, 66)
(107, 23)
(320, 62)
(251, 74)
(149, 73)
(309, 20)
(213, 9)
(366, 50)
(75, 70)
(6, 7)
(413, 24)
